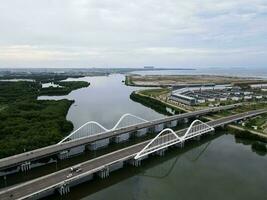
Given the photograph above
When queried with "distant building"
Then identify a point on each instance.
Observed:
(149, 67)
(247, 97)
(259, 97)
(235, 98)
(183, 99)
(255, 86)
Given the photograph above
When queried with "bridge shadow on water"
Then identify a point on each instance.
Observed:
(154, 167)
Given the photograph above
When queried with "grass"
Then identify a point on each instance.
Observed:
(155, 92)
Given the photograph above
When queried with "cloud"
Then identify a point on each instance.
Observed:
(129, 33)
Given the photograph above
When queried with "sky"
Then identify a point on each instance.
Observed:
(133, 33)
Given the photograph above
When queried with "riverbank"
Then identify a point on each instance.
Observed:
(155, 104)
(257, 141)
(27, 123)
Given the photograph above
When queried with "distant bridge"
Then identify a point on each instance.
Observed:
(61, 181)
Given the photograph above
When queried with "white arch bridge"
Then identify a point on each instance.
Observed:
(93, 128)
(168, 137)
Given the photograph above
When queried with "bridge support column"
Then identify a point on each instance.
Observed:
(103, 173)
(25, 166)
(186, 120)
(137, 162)
(172, 123)
(141, 132)
(180, 144)
(161, 152)
(197, 138)
(122, 138)
(116, 166)
(159, 127)
(99, 144)
(211, 132)
(63, 155)
(64, 189)
(77, 150)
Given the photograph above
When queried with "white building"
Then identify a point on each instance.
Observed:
(235, 98)
(247, 97)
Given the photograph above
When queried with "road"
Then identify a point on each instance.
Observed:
(89, 167)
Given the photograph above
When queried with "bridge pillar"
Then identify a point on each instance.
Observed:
(172, 123)
(180, 144)
(103, 173)
(63, 155)
(141, 132)
(116, 166)
(64, 189)
(137, 162)
(77, 150)
(99, 144)
(122, 138)
(197, 138)
(25, 166)
(161, 152)
(159, 127)
(211, 132)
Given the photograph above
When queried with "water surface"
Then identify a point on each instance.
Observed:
(104, 101)
(218, 168)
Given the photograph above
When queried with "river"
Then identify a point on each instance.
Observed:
(104, 101)
(214, 168)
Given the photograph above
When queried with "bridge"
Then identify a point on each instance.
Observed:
(76, 142)
(61, 181)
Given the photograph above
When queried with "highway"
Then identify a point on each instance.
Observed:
(54, 180)
(16, 160)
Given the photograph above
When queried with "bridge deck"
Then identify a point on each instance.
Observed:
(54, 149)
(89, 167)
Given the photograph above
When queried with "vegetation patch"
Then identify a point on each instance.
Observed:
(155, 92)
(128, 81)
(153, 103)
(27, 123)
(65, 88)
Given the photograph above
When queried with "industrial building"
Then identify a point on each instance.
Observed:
(196, 94)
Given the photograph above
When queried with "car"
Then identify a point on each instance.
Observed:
(79, 170)
(76, 168)
(69, 175)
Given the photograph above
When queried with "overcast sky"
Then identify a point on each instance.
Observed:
(133, 33)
